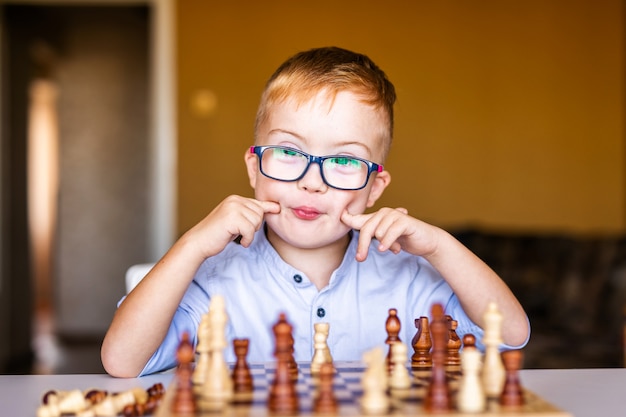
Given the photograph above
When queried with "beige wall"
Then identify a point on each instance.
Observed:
(510, 114)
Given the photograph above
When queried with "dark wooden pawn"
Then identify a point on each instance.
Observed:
(242, 377)
(392, 325)
(512, 394)
(325, 401)
(184, 403)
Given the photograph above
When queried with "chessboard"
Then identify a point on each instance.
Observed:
(348, 392)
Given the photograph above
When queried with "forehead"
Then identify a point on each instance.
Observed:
(328, 121)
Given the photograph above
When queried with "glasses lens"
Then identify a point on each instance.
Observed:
(345, 172)
(283, 163)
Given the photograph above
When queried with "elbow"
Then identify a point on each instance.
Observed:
(115, 364)
(518, 335)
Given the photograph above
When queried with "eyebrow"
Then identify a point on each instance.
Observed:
(341, 144)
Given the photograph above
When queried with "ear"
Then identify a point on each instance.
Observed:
(380, 181)
(252, 164)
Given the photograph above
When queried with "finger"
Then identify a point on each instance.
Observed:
(402, 210)
(395, 248)
(354, 221)
(388, 232)
(246, 233)
(270, 207)
(362, 247)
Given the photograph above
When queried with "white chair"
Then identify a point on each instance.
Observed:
(135, 273)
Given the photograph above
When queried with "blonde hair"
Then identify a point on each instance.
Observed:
(331, 69)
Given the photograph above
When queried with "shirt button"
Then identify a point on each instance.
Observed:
(321, 312)
(297, 278)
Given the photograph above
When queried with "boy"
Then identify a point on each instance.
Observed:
(306, 248)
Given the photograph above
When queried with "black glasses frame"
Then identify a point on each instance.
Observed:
(372, 166)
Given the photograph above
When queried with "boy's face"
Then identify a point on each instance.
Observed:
(310, 215)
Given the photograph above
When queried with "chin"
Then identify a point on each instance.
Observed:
(309, 238)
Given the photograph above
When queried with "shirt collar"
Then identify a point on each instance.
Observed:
(267, 252)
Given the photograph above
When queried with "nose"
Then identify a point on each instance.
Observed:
(312, 180)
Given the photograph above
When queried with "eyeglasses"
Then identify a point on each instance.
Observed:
(338, 171)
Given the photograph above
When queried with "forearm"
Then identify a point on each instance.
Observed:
(142, 320)
(476, 284)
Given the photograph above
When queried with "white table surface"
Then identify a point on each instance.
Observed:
(582, 392)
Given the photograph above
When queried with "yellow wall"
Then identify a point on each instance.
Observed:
(510, 114)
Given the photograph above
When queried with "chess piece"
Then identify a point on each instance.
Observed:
(512, 395)
(325, 401)
(374, 382)
(400, 378)
(470, 396)
(422, 343)
(283, 398)
(453, 359)
(183, 403)
(493, 374)
(438, 396)
(321, 353)
(242, 377)
(72, 402)
(217, 389)
(203, 350)
(392, 325)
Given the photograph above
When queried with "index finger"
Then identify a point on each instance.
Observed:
(354, 221)
(269, 206)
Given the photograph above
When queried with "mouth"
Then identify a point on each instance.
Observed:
(306, 213)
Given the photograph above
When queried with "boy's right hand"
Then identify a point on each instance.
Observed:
(234, 216)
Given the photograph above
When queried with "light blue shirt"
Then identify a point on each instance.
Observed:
(258, 285)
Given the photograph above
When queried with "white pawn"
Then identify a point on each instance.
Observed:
(374, 382)
(322, 352)
(471, 396)
(400, 378)
(493, 368)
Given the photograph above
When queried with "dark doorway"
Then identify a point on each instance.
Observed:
(87, 68)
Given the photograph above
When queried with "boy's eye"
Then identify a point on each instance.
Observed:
(345, 162)
(283, 153)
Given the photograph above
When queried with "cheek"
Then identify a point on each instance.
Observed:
(356, 204)
(267, 189)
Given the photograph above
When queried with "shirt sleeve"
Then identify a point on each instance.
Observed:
(439, 291)
(187, 317)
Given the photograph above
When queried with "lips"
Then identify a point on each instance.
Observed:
(306, 213)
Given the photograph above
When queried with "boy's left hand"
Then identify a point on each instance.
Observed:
(394, 229)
